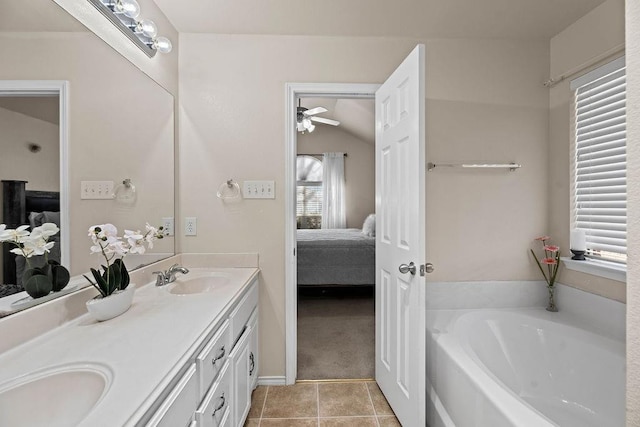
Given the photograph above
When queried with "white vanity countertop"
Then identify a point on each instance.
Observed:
(144, 348)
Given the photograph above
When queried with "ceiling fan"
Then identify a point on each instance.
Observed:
(305, 118)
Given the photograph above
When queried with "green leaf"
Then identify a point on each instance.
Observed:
(100, 282)
(124, 274)
(113, 278)
(59, 277)
(38, 286)
(94, 285)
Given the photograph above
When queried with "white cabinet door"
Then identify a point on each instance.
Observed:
(241, 387)
(253, 351)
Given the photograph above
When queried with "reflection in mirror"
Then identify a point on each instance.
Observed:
(30, 170)
(121, 126)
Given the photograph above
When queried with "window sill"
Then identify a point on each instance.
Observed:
(598, 268)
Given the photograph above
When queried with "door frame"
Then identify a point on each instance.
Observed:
(61, 89)
(292, 92)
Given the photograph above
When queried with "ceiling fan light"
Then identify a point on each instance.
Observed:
(311, 128)
(306, 122)
(300, 127)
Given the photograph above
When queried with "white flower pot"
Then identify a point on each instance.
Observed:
(105, 308)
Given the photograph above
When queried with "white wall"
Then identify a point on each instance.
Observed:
(41, 169)
(633, 192)
(359, 168)
(595, 34)
(485, 103)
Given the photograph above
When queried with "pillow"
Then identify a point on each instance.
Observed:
(47, 216)
(369, 226)
(32, 219)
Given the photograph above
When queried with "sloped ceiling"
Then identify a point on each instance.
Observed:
(356, 116)
(39, 107)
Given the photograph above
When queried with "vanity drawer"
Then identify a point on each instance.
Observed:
(216, 406)
(177, 409)
(212, 358)
(240, 315)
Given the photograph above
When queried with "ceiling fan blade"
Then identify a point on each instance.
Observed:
(325, 121)
(317, 110)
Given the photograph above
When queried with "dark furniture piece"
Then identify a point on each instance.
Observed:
(17, 204)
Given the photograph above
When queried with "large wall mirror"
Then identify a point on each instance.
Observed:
(120, 126)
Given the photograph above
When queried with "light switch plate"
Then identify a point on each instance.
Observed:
(259, 189)
(95, 190)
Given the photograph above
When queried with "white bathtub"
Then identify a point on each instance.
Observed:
(521, 367)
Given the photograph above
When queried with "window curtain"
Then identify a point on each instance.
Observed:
(333, 200)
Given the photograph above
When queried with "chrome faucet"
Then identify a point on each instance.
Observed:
(169, 276)
(161, 279)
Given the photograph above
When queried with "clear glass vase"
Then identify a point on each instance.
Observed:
(551, 306)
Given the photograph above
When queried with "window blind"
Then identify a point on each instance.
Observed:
(309, 198)
(600, 195)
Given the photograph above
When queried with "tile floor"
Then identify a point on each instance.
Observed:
(321, 404)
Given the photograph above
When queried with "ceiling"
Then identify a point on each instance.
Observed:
(356, 116)
(521, 19)
(39, 107)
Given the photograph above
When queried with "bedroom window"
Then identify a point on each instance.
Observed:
(600, 162)
(309, 192)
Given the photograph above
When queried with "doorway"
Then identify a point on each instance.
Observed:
(34, 114)
(295, 91)
(335, 229)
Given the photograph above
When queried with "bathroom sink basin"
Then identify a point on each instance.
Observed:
(202, 283)
(61, 396)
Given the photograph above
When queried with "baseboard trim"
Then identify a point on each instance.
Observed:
(274, 380)
(338, 380)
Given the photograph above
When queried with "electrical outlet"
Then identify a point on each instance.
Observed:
(95, 190)
(190, 226)
(259, 190)
(167, 224)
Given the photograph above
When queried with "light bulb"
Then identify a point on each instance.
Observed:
(147, 27)
(163, 44)
(306, 123)
(129, 8)
(300, 127)
(311, 128)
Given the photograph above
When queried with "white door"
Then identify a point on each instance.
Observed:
(400, 239)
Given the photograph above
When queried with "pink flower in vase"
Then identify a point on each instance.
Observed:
(542, 238)
(551, 248)
(549, 261)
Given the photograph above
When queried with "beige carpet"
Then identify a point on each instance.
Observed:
(336, 336)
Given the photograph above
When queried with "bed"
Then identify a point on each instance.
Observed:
(336, 257)
(19, 207)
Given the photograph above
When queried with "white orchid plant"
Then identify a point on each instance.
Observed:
(37, 281)
(29, 243)
(113, 248)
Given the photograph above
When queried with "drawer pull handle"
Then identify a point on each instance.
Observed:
(220, 355)
(252, 364)
(220, 406)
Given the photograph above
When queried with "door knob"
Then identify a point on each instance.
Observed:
(411, 268)
(429, 267)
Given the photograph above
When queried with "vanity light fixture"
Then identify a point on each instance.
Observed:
(125, 15)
